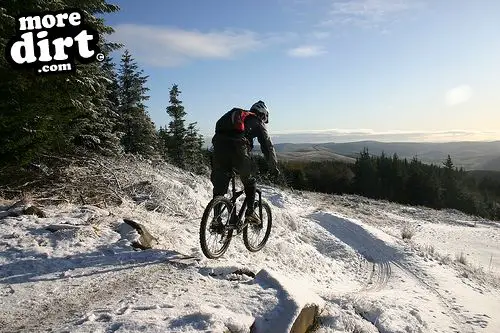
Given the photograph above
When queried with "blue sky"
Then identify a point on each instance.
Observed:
(393, 70)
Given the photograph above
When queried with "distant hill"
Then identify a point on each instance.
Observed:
(314, 153)
(314, 156)
(469, 155)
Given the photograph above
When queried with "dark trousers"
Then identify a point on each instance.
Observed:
(229, 155)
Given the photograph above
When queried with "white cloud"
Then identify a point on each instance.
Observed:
(368, 13)
(458, 95)
(371, 8)
(320, 34)
(165, 47)
(306, 51)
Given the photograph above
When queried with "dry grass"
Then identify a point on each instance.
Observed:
(98, 181)
(465, 268)
(407, 233)
(4, 202)
(445, 259)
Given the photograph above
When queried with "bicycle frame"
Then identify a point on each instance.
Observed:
(236, 195)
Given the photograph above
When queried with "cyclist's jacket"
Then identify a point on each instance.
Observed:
(239, 125)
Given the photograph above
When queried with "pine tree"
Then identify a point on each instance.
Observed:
(422, 185)
(448, 164)
(182, 146)
(55, 114)
(384, 173)
(450, 187)
(112, 85)
(366, 179)
(398, 172)
(139, 132)
(175, 140)
(194, 149)
(112, 100)
(164, 143)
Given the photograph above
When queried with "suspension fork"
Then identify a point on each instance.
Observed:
(246, 203)
(260, 202)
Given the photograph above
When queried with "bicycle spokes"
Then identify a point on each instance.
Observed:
(255, 236)
(217, 230)
(256, 230)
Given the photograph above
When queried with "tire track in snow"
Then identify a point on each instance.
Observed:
(372, 249)
(457, 317)
(379, 270)
(382, 257)
(381, 273)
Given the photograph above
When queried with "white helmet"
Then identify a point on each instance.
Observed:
(261, 110)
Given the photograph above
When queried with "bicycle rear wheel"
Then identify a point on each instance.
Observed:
(252, 232)
(212, 226)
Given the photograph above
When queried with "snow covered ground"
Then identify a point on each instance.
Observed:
(344, 251)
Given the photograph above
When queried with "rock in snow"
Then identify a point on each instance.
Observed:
(297, 309)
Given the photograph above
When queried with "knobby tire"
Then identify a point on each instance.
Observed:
(203, 226)
(246, 241)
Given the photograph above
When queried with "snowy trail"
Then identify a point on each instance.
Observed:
(385, 258)
(56, 292)
(374, 250)
(345, 249)
(390, 261)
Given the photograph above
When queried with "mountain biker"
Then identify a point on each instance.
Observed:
(232, 143)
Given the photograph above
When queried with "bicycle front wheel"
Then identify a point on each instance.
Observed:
(215, 235)
(256, 236)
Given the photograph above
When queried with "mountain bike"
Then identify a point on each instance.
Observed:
(227, 220)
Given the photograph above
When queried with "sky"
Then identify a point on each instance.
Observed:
(393, 70)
